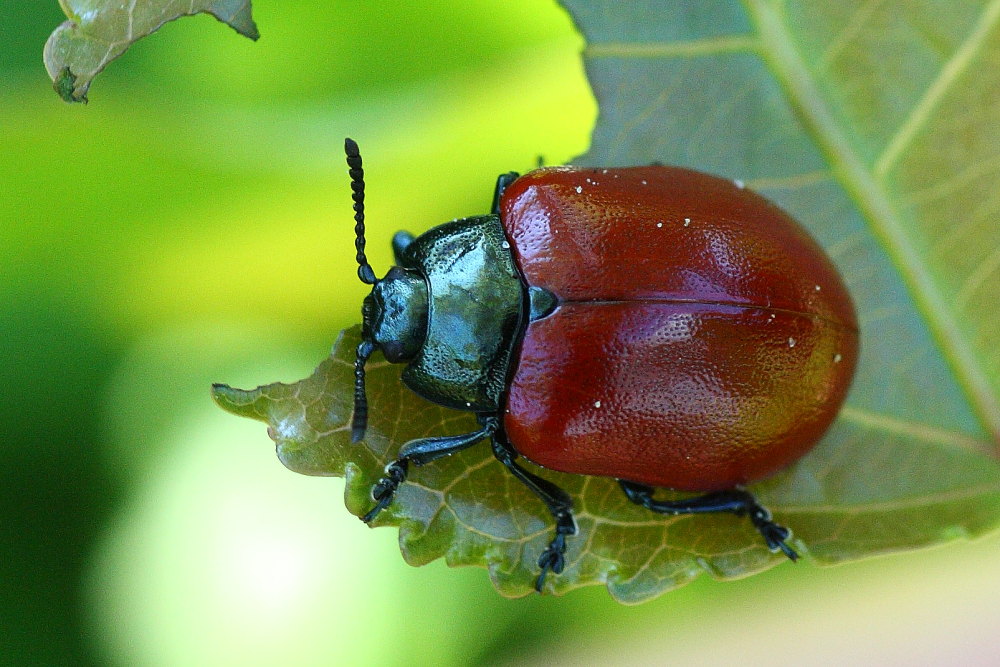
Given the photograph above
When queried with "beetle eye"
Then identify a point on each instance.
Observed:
(394, 351)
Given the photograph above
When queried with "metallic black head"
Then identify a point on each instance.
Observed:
(395, 314)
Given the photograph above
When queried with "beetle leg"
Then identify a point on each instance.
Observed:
(503, 180)
(400, 242)
(736, 501)
(558, 502)
(419, 452)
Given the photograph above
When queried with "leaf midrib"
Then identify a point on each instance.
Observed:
(782, 57)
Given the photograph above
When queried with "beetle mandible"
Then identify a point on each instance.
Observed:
(656, 325)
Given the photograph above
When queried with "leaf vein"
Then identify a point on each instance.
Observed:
(922, 112)
(975, 280)
(689, 49)
(896, 504)
(916, 430)
(854, 26)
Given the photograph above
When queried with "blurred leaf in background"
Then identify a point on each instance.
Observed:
(97, 33)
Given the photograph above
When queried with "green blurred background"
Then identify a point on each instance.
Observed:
(191, 225)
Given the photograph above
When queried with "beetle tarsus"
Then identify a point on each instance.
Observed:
(553, 558)
(774, 534)
(385, 489)
(736, 501)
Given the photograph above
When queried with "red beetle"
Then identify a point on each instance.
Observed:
(652, 324)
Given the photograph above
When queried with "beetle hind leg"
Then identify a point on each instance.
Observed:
(553, 558)
(736, 501)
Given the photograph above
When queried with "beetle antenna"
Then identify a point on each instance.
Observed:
(360, 422)
(357, 172)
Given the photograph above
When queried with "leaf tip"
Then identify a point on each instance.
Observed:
(65, 85)
(241, 21)
(240, 402)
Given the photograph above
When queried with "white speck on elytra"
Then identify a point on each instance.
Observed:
(687, 221)
(837, 358)
(597, 404)
(604, 171)
(579, 188)
(740, 184)
(644, 182)
(818, 288)
(791, 342)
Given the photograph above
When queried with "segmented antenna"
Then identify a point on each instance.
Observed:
(360, 422)
(367, 275)
(365, 271)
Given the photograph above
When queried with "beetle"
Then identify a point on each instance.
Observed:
(656, 325)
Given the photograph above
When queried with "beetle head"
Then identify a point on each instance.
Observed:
(394, 315)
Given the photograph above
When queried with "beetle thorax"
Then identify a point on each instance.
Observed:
(395, 314)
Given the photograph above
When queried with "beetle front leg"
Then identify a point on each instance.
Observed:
(558, 502)
(736, 501)
(401, 240)
(503, 180)
(419, 452)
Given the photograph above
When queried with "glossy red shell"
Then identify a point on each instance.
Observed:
(702, 340)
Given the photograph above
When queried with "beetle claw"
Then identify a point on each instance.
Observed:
(374, 512)
(553, 558)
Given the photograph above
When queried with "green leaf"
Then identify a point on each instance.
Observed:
(467, 507)
(874, 124)
(98, 31)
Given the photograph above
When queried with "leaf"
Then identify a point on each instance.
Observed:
(872, 123)
(467, 507)
(98, 31)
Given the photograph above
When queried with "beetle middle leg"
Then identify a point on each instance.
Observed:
(419, 452)
(736, 501)
(558, 502)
